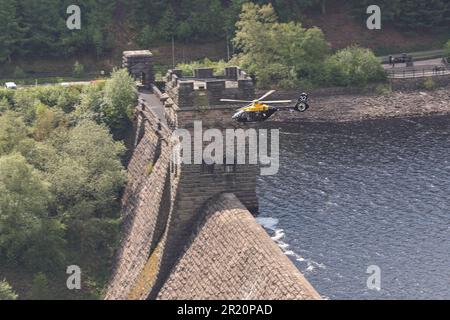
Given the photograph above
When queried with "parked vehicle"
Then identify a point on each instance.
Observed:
(10, 85)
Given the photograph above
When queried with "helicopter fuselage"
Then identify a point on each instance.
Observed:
(260, 110)
(256, 113)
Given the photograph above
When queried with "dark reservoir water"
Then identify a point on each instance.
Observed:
(349, 196)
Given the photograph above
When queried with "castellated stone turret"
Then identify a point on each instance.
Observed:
(196, 98)
(204, 89)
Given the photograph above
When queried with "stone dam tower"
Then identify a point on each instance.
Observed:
(188, 230)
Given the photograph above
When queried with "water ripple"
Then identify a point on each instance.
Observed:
(353, 195)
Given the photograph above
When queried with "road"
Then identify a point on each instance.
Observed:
(429, 62)
(422, 68)
(421, 55)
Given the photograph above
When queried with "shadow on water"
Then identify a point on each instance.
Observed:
(353, 195)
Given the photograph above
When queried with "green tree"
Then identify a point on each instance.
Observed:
(120, 97)
(86, 176)
(40, 287)
(47, 251)
(92, 104)
(42, 24)
(354, 66)
(147, 37)
(284, 54)
(12, 131)
(10, 34)
(24, 102)
(6, 291)
(24, 199)
(167, 26)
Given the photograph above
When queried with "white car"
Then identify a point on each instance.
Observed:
(10, 85)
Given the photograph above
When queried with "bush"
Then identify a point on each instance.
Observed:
(217, 66)
(120, 98)
(429, 84)
(353, 66)
(6, 291)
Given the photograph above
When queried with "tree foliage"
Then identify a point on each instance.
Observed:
(6, 291)
(36, 28)
(120, 97)
(290, 56)
(277, 53)
(24, 200)
(61, 175)
(353, 66)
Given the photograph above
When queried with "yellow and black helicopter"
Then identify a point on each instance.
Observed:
(259, 110)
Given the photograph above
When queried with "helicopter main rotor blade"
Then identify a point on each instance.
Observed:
(239, 101)
(275, 102)
(267, 94)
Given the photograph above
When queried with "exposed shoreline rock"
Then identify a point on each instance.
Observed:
(350, 108)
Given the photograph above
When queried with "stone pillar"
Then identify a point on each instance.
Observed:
(140, 65)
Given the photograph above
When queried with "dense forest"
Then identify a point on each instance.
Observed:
(32, 28)
(61, 175)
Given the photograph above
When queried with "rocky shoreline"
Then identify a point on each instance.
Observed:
(348, 108)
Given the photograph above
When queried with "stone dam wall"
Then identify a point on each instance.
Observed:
(230, 256)
(183, 225)
(187, 228)
(146, 204)
(418, 83)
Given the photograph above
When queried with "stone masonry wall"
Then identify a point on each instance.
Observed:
(145, 205)
(231, 257)
(206, 90)
(410, 84)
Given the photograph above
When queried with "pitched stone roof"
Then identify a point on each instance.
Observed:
(232, 257)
